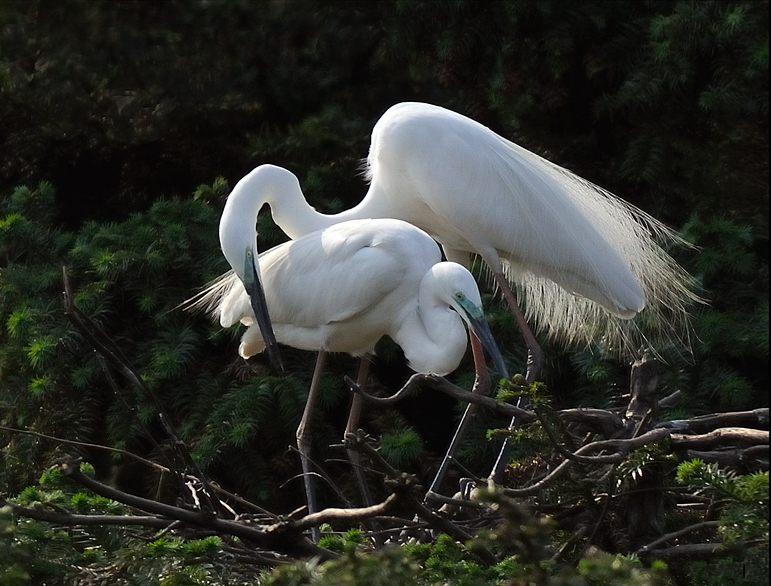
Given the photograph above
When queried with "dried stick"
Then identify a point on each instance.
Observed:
(348, 515)
(696, 551)
(284, 536)
(756, 418)
(441, 384)
(748, 459)
(40, 514)
(720, 437)
(646, 549)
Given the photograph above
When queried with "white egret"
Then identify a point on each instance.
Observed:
(583, 261)
(342, 289)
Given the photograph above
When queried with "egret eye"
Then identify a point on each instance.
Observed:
(459, 296)
(248, 253)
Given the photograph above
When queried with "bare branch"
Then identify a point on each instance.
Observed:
(441, 384)
(675, 534)
(348, 515)
(40, 513)
(757, 418)
(670, 400)
(720, 438)
(696, 551)
(752, 458)
(283, 536)
(643, 404)
(607, 421)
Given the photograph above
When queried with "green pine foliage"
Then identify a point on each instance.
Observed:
(523, 538)
(130, 278)
(742, 502)
(34, 552)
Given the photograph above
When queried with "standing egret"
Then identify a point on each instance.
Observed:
(343, 288)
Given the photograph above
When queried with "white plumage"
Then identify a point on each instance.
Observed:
(341, 289)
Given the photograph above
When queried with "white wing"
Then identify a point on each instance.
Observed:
(340, 288)
(561, 239)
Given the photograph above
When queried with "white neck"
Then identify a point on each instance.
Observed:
(432, 336)
(280, 189)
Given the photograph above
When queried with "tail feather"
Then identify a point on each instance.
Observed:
(223, 300)
(642, 242)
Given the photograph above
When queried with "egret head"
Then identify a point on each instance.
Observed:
(238, 238)
(465, 299)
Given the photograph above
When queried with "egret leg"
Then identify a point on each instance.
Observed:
(481, 385)
(534, 351)
(352, 426)
(304, 437)
(534, 363)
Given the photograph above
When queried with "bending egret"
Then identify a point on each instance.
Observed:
(342, 289)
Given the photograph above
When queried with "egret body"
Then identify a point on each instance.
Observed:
(343, 288)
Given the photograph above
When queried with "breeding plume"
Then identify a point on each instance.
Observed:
(343, 288)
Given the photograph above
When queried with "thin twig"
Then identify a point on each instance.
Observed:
(675, 534)
(442, 384)
(60, 440)
(324, 476)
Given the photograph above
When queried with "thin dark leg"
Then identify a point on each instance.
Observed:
(534, 363)
(304, 441)
(354, 417)
(534, 351)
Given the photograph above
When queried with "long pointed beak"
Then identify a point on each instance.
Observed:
(256, 294)
(482, 331)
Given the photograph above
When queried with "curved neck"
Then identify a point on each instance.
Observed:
(432, 337)
(280, 189)
(291, 212)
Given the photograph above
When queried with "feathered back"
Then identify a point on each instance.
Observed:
(640, 240)
(582, 261)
